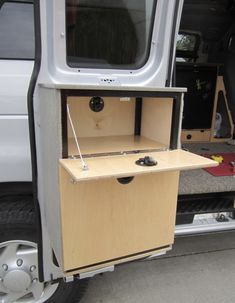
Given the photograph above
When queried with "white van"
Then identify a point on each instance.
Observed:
(91, 107)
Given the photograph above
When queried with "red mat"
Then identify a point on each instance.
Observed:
(223, 169)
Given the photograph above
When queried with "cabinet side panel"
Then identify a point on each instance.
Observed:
(104, 220)
(220, 87)
(49, 150)
(156, 119)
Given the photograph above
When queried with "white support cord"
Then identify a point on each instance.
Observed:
(84, 165)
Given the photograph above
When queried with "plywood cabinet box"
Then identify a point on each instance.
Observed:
(202, 106)
(117, 211)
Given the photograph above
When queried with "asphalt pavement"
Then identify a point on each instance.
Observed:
(200, 269)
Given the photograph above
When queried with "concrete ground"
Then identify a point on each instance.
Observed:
(200, 269)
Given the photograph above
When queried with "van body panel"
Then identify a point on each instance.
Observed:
(15, 160)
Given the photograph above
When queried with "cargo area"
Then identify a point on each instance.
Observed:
(205, 64)
(200, 181)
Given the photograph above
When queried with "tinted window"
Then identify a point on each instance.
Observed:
(16, 31)
(109, 33)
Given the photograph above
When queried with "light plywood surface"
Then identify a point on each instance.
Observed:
(103, 220)
(96, 145)
(117, 118)
(219, 87)
(123, 166)
(156, 119)
(196, 135)
(120, 261)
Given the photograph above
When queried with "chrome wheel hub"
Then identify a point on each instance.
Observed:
(19, 280)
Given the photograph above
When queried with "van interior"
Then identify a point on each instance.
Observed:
(205, 64)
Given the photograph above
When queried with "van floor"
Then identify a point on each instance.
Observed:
(200, 181)
(200, 269)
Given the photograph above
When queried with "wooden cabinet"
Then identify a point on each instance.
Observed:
(116, 211)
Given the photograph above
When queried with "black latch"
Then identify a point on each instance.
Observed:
(146, 161)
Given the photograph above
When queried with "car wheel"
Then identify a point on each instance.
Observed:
(19, 261)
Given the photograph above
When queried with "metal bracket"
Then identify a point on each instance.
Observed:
(91, 274)
(73, 181)
(69, 279)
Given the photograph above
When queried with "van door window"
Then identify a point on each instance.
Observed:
(109, 33)
(17, 31)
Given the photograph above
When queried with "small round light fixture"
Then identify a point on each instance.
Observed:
(96, 104)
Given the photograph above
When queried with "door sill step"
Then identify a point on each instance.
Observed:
(205, 224)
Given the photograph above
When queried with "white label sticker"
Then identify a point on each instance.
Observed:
(125, 99)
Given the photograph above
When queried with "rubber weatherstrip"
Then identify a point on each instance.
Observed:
(32, 85)
(169, 74)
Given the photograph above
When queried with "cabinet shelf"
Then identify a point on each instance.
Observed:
(114, 144)
(124, 166)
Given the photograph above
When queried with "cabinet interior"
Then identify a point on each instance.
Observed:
(125, 125)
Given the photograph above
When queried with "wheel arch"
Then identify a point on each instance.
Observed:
(10, 189)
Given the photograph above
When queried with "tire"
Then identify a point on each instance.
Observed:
(17, 229)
